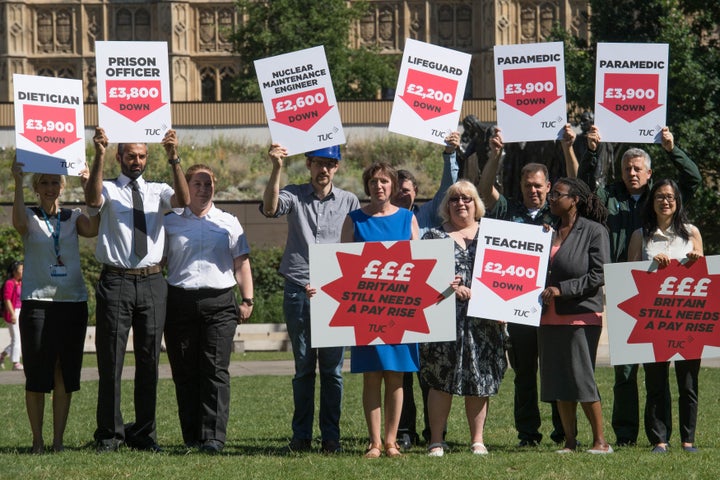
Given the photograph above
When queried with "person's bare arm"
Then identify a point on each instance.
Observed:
(486, 186)
(277, 154)
(181, 197)
(18, 213)
(93, 187)
(571, 161)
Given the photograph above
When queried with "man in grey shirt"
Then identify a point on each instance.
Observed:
(315, 214)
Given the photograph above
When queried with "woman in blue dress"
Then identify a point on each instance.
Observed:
(380, 220)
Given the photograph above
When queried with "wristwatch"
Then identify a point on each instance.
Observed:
(248, 301)
(174, 162)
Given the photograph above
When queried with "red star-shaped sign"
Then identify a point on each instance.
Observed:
(677, 309)
(382, 292)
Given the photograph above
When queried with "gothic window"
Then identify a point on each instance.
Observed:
(209, 87)
(54, 31)
(133, 25)
(454, 25)
(216, 83)
(215, 27)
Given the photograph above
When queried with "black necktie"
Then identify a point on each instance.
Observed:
(139, 226)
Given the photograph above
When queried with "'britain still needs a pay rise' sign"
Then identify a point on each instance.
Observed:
(382, 293)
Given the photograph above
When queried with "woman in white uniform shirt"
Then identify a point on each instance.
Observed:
(666, 235)
(207, 255)
(54, 313)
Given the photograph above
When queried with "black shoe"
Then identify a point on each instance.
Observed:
(110, 445)
(331, 446)
(211, 447)
(405, 442)
(528, 443)
(298, 445)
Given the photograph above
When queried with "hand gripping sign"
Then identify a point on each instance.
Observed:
(382, 293)
(49, 124)
(631, 91)
(509, 273)
(429, 92)
(657, 315)
(133, 90)
(530, 91)
(299, 100)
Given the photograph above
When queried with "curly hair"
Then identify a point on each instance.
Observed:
(588, 204)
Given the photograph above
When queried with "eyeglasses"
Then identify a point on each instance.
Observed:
(661, 198)
(461, 198)
(557, 195)
(329, 164)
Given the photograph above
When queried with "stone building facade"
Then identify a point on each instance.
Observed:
(39, 37)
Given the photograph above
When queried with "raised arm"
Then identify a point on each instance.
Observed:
(93, 187)
(18, 213)
(571, 162)
(87, 226)
(277, 154)
(427, 213)
(181, 197)
(486, 186)
(689, 178)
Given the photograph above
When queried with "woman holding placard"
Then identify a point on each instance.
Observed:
(571, 322)
(666, 235)
(474, 364)
(54, 313)
(380, 220)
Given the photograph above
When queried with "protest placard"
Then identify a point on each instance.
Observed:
(429, 92)
(133, 81)
(656, 315)
(49, 124)
(530, 91)
(382, 292)
(631, 91)
(299, 100)
(509, 272)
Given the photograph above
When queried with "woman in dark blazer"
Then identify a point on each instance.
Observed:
(571, 323)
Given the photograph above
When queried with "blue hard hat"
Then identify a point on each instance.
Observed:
(327, 152)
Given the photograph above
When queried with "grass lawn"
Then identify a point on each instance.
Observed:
(260, 426)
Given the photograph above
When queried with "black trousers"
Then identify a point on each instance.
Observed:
(523, 356)
(125, 301)
(199, 333)
(658, 408)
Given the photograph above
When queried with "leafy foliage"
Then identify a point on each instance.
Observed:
(281, 26)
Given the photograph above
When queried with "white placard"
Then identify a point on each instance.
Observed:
(49, 124)
(429, 92)
(631, 91)
(657, 315)
(299, 100)
(382, 293)
(530, 91)
(133, 90)
(509, 273)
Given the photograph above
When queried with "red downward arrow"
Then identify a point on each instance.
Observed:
(50, 128)
(631, 95)
(301, 110)
(134, 99)
(530, 90)
(430, 96)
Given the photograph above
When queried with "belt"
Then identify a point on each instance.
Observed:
(143, 271)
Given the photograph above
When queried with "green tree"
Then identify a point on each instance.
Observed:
(280, 26)
(693, 103)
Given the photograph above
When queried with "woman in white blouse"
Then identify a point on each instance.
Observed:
(666, 235)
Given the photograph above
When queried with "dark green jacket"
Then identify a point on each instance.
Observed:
(625, 213)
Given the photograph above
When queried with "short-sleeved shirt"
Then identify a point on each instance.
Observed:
(201, 250)
(115, 237)
(310, 220)
(39, 247)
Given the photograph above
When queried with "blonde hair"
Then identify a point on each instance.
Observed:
(461, 187)
(35, 181)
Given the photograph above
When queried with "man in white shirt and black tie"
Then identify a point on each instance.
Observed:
(131, 291)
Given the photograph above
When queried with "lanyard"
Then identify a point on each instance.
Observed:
(55, 233)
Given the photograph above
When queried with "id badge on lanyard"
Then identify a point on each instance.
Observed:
(57, 269)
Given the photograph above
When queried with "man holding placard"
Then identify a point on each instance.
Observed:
(131, 291)
(316, 211)
(523, 355)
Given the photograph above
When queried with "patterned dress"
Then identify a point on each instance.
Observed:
(473, 364)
